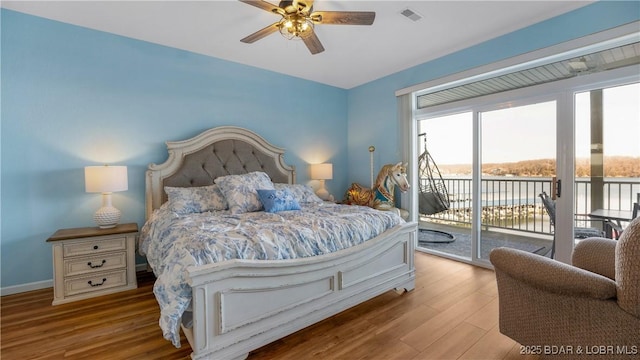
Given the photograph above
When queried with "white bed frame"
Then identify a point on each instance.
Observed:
(241, 305)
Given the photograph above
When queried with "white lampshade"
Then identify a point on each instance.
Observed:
(322, 171)
(106, 179)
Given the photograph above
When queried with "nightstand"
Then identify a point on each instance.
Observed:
(89, 262)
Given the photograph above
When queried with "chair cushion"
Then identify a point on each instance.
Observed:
(583, 233)
(628, 268)
(597, 255)
(550, 275)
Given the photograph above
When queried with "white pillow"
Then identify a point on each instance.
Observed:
(185, 200)
(302, 193)
(241, 191)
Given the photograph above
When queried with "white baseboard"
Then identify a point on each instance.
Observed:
(141, 267)
(15, 289)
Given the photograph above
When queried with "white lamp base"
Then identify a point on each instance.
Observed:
(107, 216)
(323, 193)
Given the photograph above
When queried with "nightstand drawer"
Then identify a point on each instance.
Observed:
(90, 261)
(94, 246)
(92, 264)
(95, 283)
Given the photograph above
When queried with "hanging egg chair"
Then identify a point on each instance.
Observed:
(432, 196)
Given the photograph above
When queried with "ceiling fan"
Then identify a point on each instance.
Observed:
(298, 20)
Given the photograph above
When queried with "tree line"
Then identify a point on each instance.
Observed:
(614, 166)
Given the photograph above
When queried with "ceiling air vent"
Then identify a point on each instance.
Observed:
(410, 14)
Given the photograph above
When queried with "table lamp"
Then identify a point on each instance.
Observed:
(106, 179)
(322, 172)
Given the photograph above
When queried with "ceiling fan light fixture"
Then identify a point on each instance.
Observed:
(298, 21)
(295, 27)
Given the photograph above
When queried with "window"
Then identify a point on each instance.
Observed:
(530, 107)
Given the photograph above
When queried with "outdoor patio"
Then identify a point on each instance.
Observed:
(512, 213)
(437, 240)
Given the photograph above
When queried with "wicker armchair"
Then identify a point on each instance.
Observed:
(590, 309)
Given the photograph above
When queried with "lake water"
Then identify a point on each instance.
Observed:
(513, 202)
(619, 193)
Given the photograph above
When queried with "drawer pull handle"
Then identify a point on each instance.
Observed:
(97, 266)
(92, 284)
(95, 247)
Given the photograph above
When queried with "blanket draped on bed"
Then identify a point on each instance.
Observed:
(172, 243)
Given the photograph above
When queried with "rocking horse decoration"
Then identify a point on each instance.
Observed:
(381, 196)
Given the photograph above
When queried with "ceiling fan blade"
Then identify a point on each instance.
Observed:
(343, 17)
(313, 43)
(261, 33)
(264, 5)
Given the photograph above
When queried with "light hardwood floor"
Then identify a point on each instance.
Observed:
(451, 314)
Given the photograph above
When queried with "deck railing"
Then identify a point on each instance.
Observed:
(513, 203)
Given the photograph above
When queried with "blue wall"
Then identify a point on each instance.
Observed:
(73, 97)
(373, 108)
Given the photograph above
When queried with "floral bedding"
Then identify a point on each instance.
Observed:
(173, 242)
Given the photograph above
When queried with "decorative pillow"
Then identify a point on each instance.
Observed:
(277, 200)
(185, 200)
(303, 194)
(241, 191)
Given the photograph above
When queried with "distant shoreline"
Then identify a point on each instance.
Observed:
(614, 167)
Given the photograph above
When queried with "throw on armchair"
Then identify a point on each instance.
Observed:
(588, 310)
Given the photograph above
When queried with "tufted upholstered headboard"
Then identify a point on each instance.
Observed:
(225, 150)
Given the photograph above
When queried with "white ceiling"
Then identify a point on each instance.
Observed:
(354, 55)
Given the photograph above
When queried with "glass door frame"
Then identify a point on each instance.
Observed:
(563, 93)
(516, 102)
(515, 98)
(566, 155)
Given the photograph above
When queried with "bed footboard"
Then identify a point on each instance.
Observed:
(241, 305)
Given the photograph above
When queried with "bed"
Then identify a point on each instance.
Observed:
(238, 305)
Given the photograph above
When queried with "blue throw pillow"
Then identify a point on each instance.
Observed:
(278, 200)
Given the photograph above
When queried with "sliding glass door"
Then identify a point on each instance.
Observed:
(494, 200)
(518, 164)
(607, 156)
(565, 125)
(578, 146)
(495, 161)
(445, 144)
